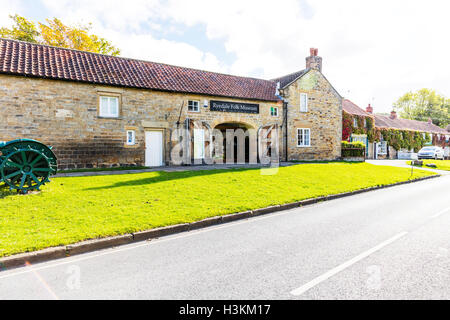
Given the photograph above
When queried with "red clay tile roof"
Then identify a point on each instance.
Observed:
(33, 60)
(352, 108)
(406, 124)
(288, 79)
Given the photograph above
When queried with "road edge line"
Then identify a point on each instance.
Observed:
(332, 272)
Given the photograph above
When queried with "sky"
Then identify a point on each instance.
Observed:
(373, 51)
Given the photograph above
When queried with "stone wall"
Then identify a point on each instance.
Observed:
(323, 118)
(65, 115)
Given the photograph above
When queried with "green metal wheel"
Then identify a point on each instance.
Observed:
(26, 169)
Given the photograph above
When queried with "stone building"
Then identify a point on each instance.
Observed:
(312, 107)
(103, 111)
(382, 150)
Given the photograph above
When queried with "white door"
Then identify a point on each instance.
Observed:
(153, 148)
(199, 144)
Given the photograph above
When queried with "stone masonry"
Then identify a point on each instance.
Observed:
(323, 118)
(65, 115)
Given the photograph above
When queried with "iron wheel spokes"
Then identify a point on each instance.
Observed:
(12, 175)
(25, 169)
(39, 157)
(24, 158)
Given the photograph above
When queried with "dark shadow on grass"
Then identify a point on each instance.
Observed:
(169, 176)
(5, 192)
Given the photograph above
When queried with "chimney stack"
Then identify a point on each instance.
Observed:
(369, 109)
(393, 115)
(430, 121)
(314, 61)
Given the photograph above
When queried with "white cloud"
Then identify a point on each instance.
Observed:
(130, 25)
(8, 7)
(377, 49)
(370, 49)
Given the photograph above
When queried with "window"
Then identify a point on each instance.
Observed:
(365, 122)
(382, 147)
(131, 137)
(303, 102)
(303, 137)
(109, 107)
(274, 111)
(355, 122)
(193, 106)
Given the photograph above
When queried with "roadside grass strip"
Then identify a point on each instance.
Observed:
(440, 164)
(72, 209)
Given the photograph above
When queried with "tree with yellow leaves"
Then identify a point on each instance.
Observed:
(56, 33)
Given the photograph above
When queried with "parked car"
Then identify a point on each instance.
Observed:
(431, 152)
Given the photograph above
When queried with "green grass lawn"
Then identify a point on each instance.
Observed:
(441, 164)
(72, 209)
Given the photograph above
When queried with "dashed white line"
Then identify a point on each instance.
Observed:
(440, 213)
(345, 265)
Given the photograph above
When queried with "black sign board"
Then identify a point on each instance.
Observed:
(225, 106)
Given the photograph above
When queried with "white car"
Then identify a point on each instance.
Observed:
(432, 152)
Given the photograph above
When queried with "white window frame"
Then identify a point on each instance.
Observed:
(382, 145)
(301, 132)
(303, 98)
(355, 122)
(106, 111)
(192, 107)
(272, 113)
(133, 138)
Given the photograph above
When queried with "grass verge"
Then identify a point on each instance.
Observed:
(73, 209)
(440, 164)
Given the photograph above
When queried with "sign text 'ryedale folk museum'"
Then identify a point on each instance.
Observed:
(234, 107)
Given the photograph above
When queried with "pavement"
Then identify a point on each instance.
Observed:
(387, 244)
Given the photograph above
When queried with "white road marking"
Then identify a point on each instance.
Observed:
(440, 213)
(169, 238)
(345, 265)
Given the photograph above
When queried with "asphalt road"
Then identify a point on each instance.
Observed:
(388, 244)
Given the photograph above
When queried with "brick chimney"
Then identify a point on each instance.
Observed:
(430, 121)
(393, 115)
(314, 61)
(369, 109)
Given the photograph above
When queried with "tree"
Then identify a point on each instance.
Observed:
(56, 33)
(424, 104)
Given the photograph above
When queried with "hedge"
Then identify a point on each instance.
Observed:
(353, 149)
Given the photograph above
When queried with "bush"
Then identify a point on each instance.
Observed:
(353, 149)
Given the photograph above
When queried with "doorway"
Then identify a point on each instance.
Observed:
(154, 148)
(236, 149)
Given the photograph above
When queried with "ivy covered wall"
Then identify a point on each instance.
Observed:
(398, 139)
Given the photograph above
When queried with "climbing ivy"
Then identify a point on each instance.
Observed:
(398, 139)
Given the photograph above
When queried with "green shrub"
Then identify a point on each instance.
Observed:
(353, 149)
